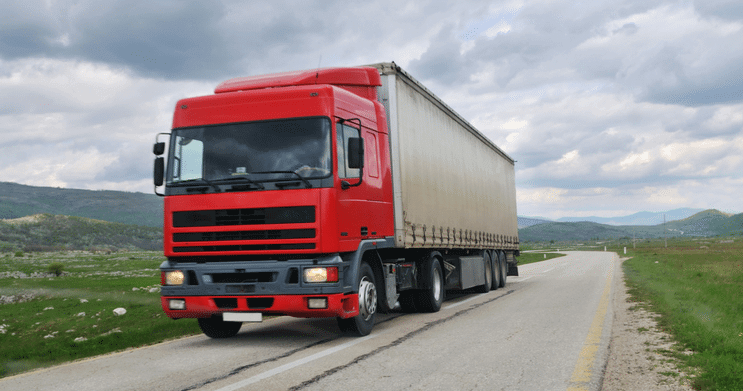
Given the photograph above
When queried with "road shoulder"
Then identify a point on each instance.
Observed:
(635, 361)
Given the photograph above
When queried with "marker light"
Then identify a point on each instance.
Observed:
(321, 274)
(175, 277)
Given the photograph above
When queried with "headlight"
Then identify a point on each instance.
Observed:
(321, 274)
(175, 277)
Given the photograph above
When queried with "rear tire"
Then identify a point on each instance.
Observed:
(215, 327)
(363, 323)
(488, 274)
(431, 298)
(503, 269)
(496, 270)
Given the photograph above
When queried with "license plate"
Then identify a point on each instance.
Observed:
(242, 317)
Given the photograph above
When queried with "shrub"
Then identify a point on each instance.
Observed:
(56, 268)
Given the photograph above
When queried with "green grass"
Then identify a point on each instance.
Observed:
(697, 287)
(79, 304)
(526, 258)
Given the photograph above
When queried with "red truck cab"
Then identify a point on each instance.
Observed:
(272, 186)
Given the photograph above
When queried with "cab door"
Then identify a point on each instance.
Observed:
(357, 214)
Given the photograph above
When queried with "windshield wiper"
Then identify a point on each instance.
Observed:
(197, 180)
(303, 179)
(241, 179)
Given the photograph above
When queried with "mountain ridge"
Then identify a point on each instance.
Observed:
(17, 200)
(710, 222)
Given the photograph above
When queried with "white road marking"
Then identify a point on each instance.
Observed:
(461, 302)
(294, 364)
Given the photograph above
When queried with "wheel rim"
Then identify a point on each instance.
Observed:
(436, 285)
(367, 298)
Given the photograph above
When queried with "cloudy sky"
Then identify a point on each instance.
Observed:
(609, 107)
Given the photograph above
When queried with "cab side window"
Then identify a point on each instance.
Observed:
(343, 133)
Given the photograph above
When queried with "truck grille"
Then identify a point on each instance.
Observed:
(244, 235)
(246, 247)
(254, 216)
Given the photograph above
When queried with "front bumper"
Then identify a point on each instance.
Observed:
(339, 305)
(267, 286)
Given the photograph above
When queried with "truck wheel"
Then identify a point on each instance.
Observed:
(488, 275)
(431, 298)
(497, 274)
(503, 269)
(215, 327)
(363, 323)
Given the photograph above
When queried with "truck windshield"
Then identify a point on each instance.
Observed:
(259, 151)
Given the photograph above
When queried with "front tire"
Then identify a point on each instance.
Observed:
(363, 323)
(215, 327)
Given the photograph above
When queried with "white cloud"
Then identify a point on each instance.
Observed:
(66, 123)
(608, 108)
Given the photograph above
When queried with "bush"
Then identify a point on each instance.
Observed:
(19, 253)
(56, 268)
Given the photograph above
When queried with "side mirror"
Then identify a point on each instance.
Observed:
(159, 171)
(158, 149)
(355, 152)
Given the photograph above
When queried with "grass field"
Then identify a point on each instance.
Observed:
(696, 285)
(47, 319)
(697, 288)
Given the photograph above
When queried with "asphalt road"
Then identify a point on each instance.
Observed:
(548, 329)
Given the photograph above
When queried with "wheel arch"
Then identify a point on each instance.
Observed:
(366, 252)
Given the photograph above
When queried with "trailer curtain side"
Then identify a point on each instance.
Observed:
(453, 187)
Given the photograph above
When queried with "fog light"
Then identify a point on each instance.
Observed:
(317, 302)
(177, 304)
(175, 277)
(321, 274)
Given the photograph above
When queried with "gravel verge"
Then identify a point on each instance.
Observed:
(636, 360)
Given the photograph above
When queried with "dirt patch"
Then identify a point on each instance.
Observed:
(25, 220)
(636, 359)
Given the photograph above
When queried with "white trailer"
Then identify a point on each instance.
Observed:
(453, 189)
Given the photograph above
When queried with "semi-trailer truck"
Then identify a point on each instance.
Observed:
(334, 192)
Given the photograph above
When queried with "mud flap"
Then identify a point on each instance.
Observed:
(513, 270)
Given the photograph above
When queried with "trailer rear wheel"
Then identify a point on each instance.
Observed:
(215, 327)
(497, 271)
(488, 274)
(363, 323)
(431, 298)
(503, 268)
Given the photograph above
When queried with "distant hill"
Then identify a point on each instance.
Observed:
(46, 232)
(706, 223)
(115, 206)
(529, 221)
(640, 218)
